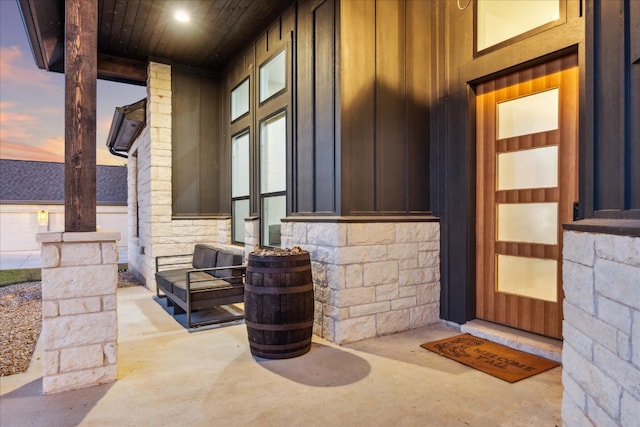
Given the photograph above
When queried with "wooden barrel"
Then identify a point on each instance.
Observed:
(278, 305)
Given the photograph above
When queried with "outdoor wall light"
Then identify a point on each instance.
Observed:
(43, 217)
(182, 16)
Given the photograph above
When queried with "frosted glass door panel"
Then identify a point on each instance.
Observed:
(528, 114)
(273, 76)
(500, 20)
(528, 222)
(240, 213)
(240, 100)
(535, 168)
(273, 152)
(528, 277)
(240, 165)
(273, 210)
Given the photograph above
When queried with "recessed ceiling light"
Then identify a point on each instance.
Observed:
(182, 16)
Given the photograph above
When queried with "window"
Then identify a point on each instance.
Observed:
(273, 76)
(273, 177)
(240, 206)
(240, 100)
(501, 20)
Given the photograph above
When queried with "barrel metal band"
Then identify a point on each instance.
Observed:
(306, 341)
(297, 269)
(274, 290)
(287, 327)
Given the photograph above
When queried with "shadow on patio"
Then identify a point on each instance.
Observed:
(168, 376)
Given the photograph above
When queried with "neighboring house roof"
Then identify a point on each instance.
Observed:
(30, 181)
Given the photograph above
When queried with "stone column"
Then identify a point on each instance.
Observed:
(251, 235)
(79, 321)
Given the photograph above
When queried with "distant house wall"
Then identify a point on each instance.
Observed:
(19, 224)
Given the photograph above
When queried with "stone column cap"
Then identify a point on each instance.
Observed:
(74, 236)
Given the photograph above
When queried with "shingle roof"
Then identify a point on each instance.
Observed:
(31, 181)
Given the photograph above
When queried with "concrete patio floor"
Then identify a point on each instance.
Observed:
(170, 376)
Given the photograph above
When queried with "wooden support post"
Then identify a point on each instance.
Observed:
(81, 65)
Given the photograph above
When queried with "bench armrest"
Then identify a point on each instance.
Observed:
(211, 269)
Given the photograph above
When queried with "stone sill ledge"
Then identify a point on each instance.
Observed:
(362, 219)
(73, 236)
(618, 227)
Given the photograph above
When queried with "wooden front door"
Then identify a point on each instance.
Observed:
(527, 183)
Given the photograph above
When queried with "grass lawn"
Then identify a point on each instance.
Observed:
(9, 277)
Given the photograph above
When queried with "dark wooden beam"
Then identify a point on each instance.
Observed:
(123, 70)
(81, 72)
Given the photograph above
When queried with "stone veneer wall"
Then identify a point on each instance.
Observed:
(601, 328)
(79, 318)
(150, 185)
(370, 278)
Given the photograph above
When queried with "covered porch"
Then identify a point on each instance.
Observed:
(168, 375)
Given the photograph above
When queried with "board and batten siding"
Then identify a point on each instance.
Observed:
(385, 65)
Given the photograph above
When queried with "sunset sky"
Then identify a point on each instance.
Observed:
(32, 100)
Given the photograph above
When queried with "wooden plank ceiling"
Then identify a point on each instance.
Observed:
(134, 31)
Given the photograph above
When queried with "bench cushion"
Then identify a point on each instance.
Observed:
(204, 288)
(231, 275)
(204, 256)
(165, 279)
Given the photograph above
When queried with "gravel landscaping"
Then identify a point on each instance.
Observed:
(21, 320)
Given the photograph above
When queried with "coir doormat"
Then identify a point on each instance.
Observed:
(494, 359)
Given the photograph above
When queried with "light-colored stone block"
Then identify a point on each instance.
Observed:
(50, 362)
(362, 254)
(402, 251)
(598, 330)
(582, 343)
(623, 249)
(426, 314)
(615, 314)
(356, 329)
(109, 253)
(327, 234)
(417, 232)
(598, 415)
(79, 305)
(49, 309)
(335, 276)
(79, 330)
(578, 285)
(368, 309)
(49, 237)
(602, 388)
(387, 292)
(50, 255)
(429, 259)
(354, 296)
(379, 273)
(91, 236)
(354, 276)
(78, 254)
(370, 234)
(392, 321)
(618, 282)
(635, 341)
(428, 293)
(624, 374)
(79, 281)
(406, 302)
(572, 415)
(110, 351)
(579, 247)
(109, 302)
(629, 410)
(573, 391)
(79, 379)
(77, 358)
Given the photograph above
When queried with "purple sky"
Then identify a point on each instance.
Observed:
(32, 100)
